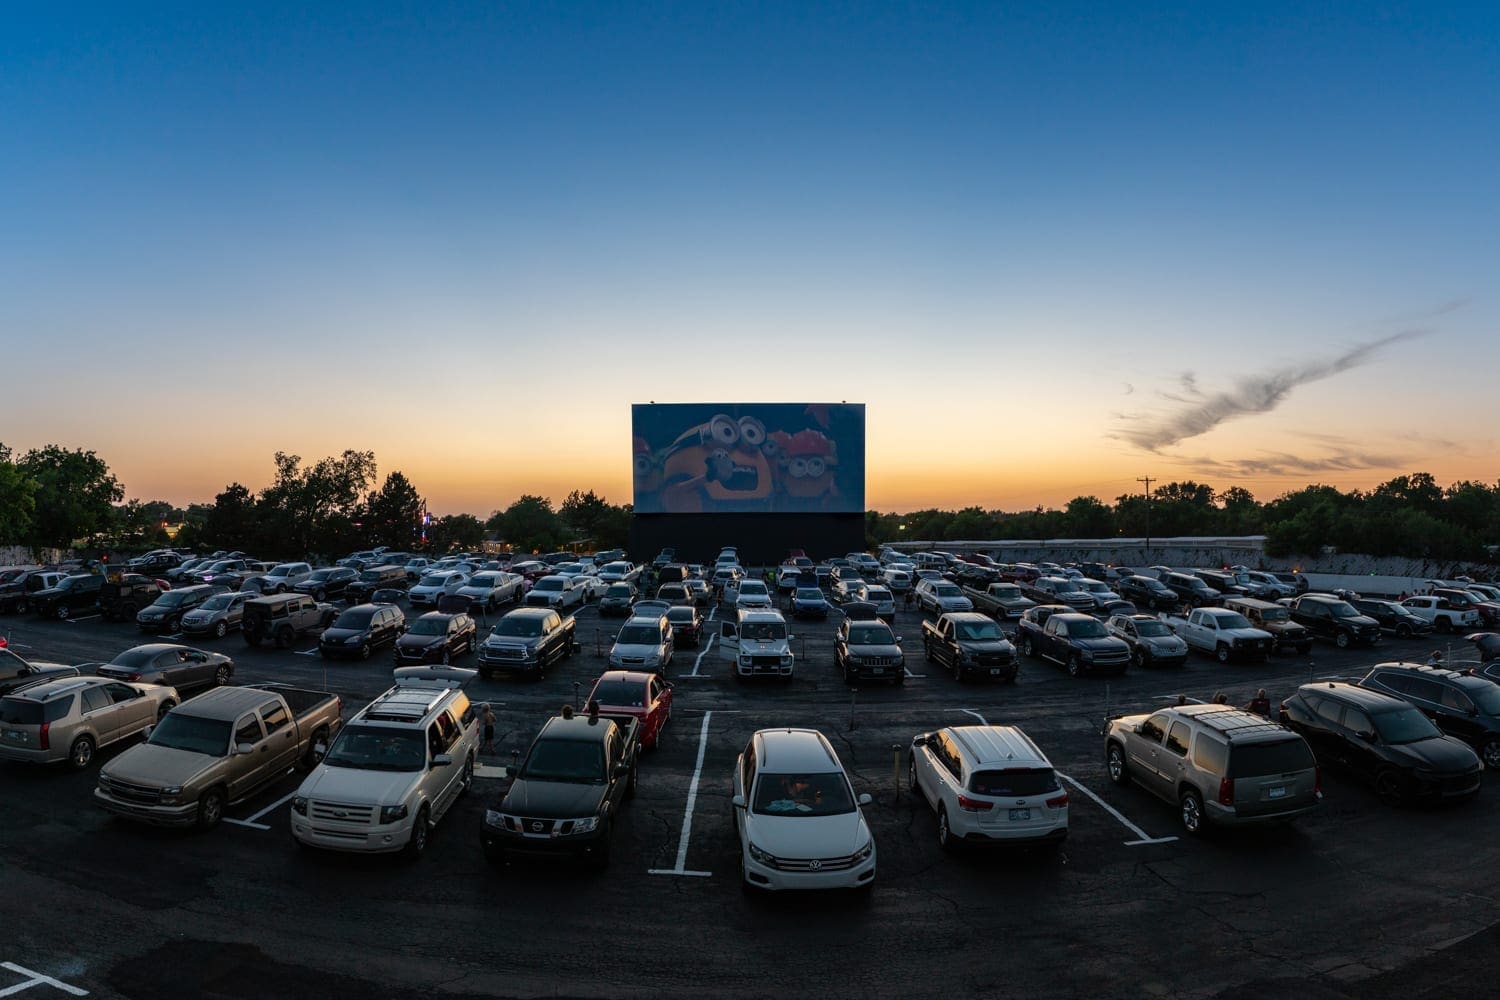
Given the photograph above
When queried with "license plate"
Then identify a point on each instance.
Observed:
(877, 670)
(15, 736)
(1019, 814)
(1276, 792)
(994, 671)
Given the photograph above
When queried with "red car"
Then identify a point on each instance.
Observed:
(633, 692)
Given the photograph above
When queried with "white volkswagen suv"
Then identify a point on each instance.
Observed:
(988, 785)
(798, 819)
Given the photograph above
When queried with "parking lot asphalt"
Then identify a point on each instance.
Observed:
(1356, 900)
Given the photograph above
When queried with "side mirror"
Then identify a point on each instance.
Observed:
(738, 801)
(442, 760)
(241, 748)
(898, 639)
(146, 733)
(866, 798)
(622, 769)
(320, 749)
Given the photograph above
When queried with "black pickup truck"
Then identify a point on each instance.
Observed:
(567, 792)
(967, 642)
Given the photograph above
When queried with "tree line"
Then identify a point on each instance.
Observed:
(55, 498)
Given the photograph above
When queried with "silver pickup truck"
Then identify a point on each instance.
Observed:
(216, 750)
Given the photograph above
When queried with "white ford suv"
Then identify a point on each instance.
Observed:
(988, 785)
(396, 768)
(797, 817)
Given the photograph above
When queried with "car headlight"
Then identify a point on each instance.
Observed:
(786, 659)
(864, 853)
(352, 640)
(762, 856)
(744, 659)
(493, 817)
(586, 825)
(652, 660)
(299, 805)
(390, 814)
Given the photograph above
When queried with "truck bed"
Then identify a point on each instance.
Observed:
(302, 701)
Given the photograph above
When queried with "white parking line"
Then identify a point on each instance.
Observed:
(1142, 837)
(36, 979)
(687, 815)
(279, 802)
(85, 618)
(702, 653)
(490, 771)
(306, 652)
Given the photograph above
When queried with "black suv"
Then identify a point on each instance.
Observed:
(1384, 740)
(165, 613)
(1147, 592)
(124, 595)
(1462, 705)
(373, 578)
(360, 629)
(1191, 591)
(72, 593)
(1393, 616)
(1223, 582)
(1330, 617)
(327, 584)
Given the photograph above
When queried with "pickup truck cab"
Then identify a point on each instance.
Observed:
(558, 592)
(567, 792)
(758, 644)
(527, 640)
(283, 617)
(968, 643)
(1222, 633)
(21, 583)
(215, 750)
(395, 770)
(1329, 617)
(1441, 613)
(1001, 601)
(1079, 642)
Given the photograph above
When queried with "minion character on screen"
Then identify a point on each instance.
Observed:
(718, 465)
(811, 460)
(647, 468)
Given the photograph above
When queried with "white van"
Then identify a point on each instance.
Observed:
(756, 640)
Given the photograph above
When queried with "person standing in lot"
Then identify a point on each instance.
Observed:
(487, 716)
(1260, 704)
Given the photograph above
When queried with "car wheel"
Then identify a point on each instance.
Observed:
(1221, 653)
(1191, 805)
(1138, 658)
(1114, 760)
(1445, 624)
(210, 809)
(172, 625)
(284, 637)
(1028, 647)
(61, 614)
(1075, 665)
(221, 676)
(466, 780)
(81, 752)
(364, 651)
(416, 844)
(314, 757)
(900, 679)
(1341, 640)
(23, 606)
(1388, 787)
(164, 708)
(1490, 752)
(220, 630)
(446, 656)
(911, 772)
(320, 595)
(1403, 630)
(944, 832)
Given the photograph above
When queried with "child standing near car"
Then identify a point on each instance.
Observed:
(487, 716)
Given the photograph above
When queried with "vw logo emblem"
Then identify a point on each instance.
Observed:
(536, 827)
(814, 865)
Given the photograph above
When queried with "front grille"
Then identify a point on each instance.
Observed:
(992, 659)
(124, 790)
(503, 653)
(340, 812)
(760, 662)
(324, 831)
(815, 864)
(534, 826)
(877, 661)
(1112, 658)
(1457, 784)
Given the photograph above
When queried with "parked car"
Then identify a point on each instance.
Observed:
(990, 786)
(1220, 766)
(1443, 613)
(216, 615)
(435, 585)
(20, 583)
(1383, 740)
(166, 613)
(436, 637)
(1462, 705)
(70, 718)
(124, 595)
(357, 631)
(1329, 617)
(69, 596)
(941, 596)
(327, 584)
(617, 600)
(687, 625)
(1274, 619)
(1152, 643)
(968, 643)
(527, 640)
(642, 695)
(488, 590)
(643, 643)
(1190, 590)
(17, 672)
(283, 617)
(373, 578)
(796, 815)
(171, 665)
(1394, 617)
(881, 597)
(283, 577)
(809, 602)
(1077, 641)
(864, 650)
(556, 592)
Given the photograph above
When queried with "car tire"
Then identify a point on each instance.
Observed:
(312, 758)
(1075, 665)
(61, 614)
(416, 844)
(1138, 658)
(210, 808)
(1115, 766)
(1341, 640)
(911, 772)
(1444, 624)
(900, 679)
(364, 650)
(1388, 787)
(944, 831)
(81, 753)
(23, 606)
(284, 636)
(164, 708)
(466, 780)
(1221, 653)
(221, 630)
(1190, 809)
(320, 595)
(221, 675)
(172, 625)
(1403, 631)
(1028, 647)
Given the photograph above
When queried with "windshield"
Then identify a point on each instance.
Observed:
(524, 628)
(279, 571)
(376, 748)
(188, 732)
(623, 694)
(1233, 621)
(752, 587)
(618, 590)
(614, 567)
(434, 580)
(354, 619)
(576, 762)
(218, 602)
(820, 794)
(1342, 609)
(763, 631)
(979, 630)
(1404, 725)
(946, 591)
(548, 583)
(1093, 588)
(429, 626)
(638, 635)
(1086, 630)
(871, 634)
(1152, 629)
(172, 598)
(809, 594)
(1487, 700)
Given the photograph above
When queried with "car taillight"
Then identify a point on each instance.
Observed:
(46, 741)
(973, 805)
(1226, 791)
(1058, 801)
(133, 677)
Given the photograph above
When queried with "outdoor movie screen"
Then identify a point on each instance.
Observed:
(708, 458)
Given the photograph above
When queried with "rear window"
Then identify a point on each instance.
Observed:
(1013, 782)
(1255, 760)
(24, 712)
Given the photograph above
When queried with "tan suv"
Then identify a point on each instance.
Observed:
(69, 719)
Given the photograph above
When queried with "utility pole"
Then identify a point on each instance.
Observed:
(1147, 481)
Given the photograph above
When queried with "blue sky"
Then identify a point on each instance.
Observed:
(469, 236)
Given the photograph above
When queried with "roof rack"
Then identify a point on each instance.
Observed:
(407, 702)
(1244, 723)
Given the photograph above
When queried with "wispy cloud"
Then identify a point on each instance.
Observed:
(1287, 464)
(1199, 412)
